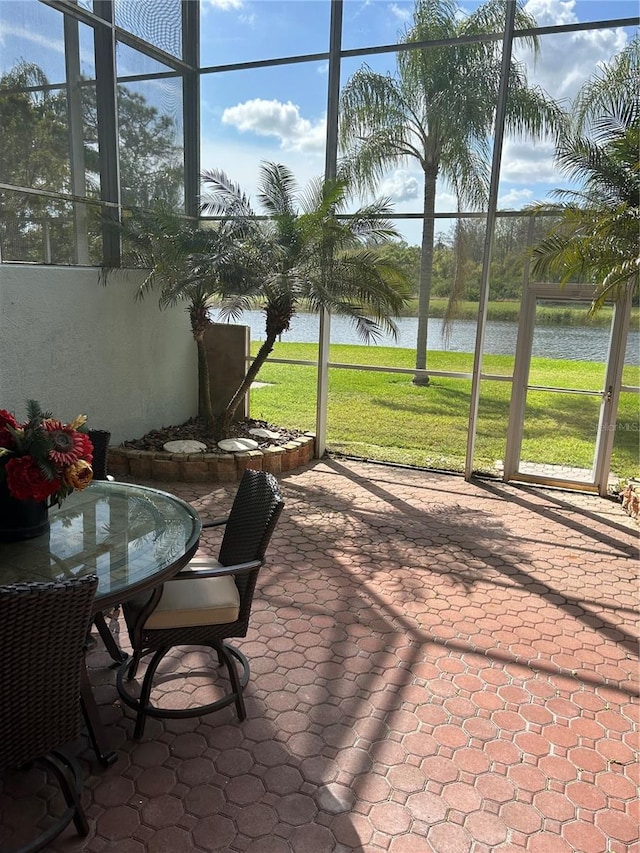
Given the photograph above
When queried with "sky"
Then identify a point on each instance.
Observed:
(279, 113)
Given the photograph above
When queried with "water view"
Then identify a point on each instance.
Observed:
(579, 343)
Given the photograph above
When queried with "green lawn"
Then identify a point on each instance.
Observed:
(383, 416)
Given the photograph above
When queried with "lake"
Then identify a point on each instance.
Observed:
(578, 343)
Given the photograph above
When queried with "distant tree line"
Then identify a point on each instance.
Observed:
(509, 257)
(34, 153)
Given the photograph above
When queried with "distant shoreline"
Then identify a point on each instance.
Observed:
(560, 315)
(551, 315)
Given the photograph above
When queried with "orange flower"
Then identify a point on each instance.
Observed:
(78, 475)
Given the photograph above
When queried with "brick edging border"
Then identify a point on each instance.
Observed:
(209, 467)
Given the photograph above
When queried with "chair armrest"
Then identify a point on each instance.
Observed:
(215, 522)
(216, 571)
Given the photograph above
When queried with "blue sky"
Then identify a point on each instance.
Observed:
(279, 113)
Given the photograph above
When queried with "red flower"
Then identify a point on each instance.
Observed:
(26, 481)
(68, 444)
(6, 439)
(87, 448)
(47, 459)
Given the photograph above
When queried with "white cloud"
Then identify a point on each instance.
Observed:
(564, 63)
(39, 40)
(244, 17)
(566, 60)
(360, 9)
(515, 199)
(552, 12)
(526, 162)
(400, 186)
(223, 5)
(280, 120)
(402, 14)
(446, 201)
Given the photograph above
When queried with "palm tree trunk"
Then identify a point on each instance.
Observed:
(254, 368)
(426, 274)
(205, 409)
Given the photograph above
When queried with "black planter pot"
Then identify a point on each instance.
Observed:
(21, 519)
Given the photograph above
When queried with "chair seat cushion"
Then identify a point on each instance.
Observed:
(196, 601)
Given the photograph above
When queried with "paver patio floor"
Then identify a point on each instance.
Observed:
(436, 666)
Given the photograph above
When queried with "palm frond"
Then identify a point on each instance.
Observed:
(277, 189)
(595, 238)
(612, 91)
(225, 197)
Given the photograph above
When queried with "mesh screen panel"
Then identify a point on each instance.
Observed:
(159, 23)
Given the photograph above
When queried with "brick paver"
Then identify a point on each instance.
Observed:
(436, 666)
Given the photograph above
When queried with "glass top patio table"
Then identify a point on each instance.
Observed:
(132, 537)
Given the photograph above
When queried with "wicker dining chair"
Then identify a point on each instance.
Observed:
(206, 603)
(42, 634)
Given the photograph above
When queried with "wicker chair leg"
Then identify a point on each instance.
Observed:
(134, 663)
(145, 692)
(71, 785)
(238, 676)
(227, 654)
(69, 776)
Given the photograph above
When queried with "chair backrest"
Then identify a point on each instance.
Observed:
(254, 513)
(100, 439)
(43, 627)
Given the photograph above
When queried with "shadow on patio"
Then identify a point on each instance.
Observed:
(436, 666)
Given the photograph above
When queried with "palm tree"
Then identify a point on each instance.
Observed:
(187, 263)
(307, 255)
(595, 238)
(438, 109)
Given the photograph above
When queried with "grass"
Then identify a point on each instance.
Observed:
(383, 416)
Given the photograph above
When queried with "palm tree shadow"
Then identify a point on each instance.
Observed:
(343, 682)
(470, 530)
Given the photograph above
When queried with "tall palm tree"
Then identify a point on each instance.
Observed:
(187, 263)
(438, 109)
(308, 256)
(595, 238)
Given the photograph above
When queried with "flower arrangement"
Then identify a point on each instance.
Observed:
(44, 459)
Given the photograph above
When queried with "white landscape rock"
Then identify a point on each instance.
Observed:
(235, 445)
(260, 432)
(185, 446)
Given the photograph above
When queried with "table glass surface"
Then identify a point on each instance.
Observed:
(126, 534)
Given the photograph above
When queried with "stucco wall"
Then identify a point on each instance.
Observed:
(79, 347)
